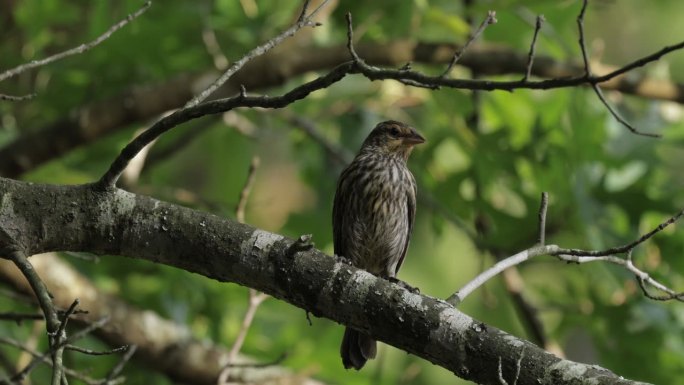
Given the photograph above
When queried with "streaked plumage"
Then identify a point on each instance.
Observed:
(373, 214)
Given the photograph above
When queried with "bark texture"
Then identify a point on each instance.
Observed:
(42, 218)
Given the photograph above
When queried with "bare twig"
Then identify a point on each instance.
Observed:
(214, 107)
(187, 112)
(582, 43)
(578, 256)
(19, 317)
(66, 315)
(19, 376)
(670, 296)
(13, 98)
(403, 74)
(356, 66)
(490, 19)
(350, 40)
(255, 297)
(56, 334)
(617, 116)
(624, 248)
(111, 376)
(91, 352)
(70, 372)
(246, 190)
(500, 266)
(408, 77)
(303, 21)
(543, 206)
(530, 55)
(594, 85)
(76, 50)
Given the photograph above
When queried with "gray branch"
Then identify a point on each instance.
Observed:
(116, 222)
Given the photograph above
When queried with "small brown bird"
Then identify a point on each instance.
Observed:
(373, 213)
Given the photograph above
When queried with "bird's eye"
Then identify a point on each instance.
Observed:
(394, 131)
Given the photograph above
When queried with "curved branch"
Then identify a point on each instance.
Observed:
(94, 121)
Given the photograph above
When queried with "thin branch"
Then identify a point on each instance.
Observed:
(255, 297)
(19, 317)
(500, 266)
(582, 43)
(54, 328)
(302, 14)
(39, 289)
(670, 296)
(594, 85)
(375, 73)
(246, 189)
(350, 40)
(70, 372)
(111, 376)
(576, 256)
(66, 315)
(302, 21)
(530, 55)
(356, 66)
(642, 277)
(109, 179)
(76, 50)
(640, 62)
(543, 206)
(490, 19)
(617, 116)
(624, 248)
(91, 352)
(214, 107)
(19, 376)
(255, 300)
(13, 98)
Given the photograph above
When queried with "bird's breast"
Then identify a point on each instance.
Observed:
(379, 226)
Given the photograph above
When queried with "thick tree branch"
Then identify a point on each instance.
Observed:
(121, 223)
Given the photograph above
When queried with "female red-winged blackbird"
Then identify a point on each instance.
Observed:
(373, 213)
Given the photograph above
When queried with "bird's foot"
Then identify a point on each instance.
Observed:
(405, 285)
(344, 260)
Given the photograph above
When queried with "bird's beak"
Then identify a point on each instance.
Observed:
(413, 138)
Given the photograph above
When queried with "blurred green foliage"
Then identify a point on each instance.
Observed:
(606, 185)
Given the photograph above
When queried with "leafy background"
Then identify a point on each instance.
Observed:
(606, 185)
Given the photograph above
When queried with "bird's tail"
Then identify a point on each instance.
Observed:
(356, 349)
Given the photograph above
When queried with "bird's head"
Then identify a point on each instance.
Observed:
(393, 138)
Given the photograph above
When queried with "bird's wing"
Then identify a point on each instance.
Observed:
(339, 208)
(411, 194)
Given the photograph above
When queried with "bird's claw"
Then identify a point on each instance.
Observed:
(405, 285)
(344, 260)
